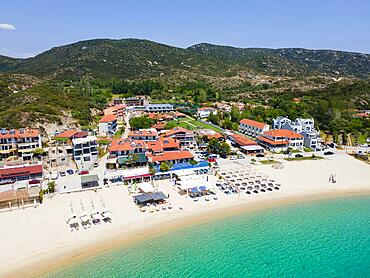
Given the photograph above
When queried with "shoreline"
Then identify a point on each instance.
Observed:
(128, 235)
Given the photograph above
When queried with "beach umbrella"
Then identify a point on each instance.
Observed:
(194, 190)
(202, 188)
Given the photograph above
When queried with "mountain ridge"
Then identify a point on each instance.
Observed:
(142, 59)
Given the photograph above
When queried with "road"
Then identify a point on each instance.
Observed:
(127, 125)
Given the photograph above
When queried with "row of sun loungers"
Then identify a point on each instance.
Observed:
(86, 219)
(246, 180)
(153, 208)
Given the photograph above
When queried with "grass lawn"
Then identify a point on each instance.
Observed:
(308, 150)
(303, 158)
(267, 162)
(193, 124)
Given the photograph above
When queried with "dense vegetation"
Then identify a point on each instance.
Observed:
(134, 59)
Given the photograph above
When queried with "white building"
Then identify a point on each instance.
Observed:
(19, 142)
(252, 128)
(108, 125)
(160, 108)
(280, 140)
(305, 127)
(85, 152)
(205, 112)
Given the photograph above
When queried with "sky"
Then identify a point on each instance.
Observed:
(29, 27)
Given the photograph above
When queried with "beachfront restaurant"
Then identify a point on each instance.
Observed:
(18, 198)
(155, 197)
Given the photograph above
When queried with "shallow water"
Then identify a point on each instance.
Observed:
(319, 239)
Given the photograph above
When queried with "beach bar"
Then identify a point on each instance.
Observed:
(156, 197)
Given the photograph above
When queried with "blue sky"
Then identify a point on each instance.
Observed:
(326, 24)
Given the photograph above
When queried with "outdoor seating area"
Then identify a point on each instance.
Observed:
(152, 202)
(87, 218)
(246, 181)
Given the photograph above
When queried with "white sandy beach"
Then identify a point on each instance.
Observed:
(37, 240)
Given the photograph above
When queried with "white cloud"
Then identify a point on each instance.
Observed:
(7, 26)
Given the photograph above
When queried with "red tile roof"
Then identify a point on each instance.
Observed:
(253, 123)
(206, 108)
(171, 155)
(17, 134)
(126, 145)
(272, 142)
(159, 126)
(216, 136)
(283, 133)
(67, 134)
(108, 119)
(242, 140)
(365, 115)
(143, 132)
(177, 130)
(11, 172)
(162, 144)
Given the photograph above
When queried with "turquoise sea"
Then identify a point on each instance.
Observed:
(319, 239)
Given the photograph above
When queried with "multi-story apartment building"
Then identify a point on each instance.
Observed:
(205, 112)
(108, 125)
(305, 127)
(280, 140)
(185, 137)
(85, 151)
(252, 128)
(159, 108)
(144, 134)
(19, 142)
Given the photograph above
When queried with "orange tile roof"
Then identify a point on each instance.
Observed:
(17, 134)
(126, 145)
(67, 134)
(108, 119)
(242, 141)
(162, 144)
(272, 142)
(177, 130)
(171, 155)
(216, 136)
(143, 132)
(365, 115)
(206, 108)
(253, 123)
(159, 126)
(283, 133)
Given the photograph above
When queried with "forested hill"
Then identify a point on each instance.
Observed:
(142, 59)
(290, 61)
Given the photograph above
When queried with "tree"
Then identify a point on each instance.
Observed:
(39, 152)
(217, 147)
(165, 166)
(141, 122)
(234, 114)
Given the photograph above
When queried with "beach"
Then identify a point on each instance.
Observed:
(38, 240)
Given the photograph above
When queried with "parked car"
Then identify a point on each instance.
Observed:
(298, 155)
(211, 159)
(328, 153)
(84, 172)
(70, 172)
(54, 175)
(62, 173)
(96, 164)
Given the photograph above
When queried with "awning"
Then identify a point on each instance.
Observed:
(146, 187)
(194, 190)
(137, 177)
(202, 188)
